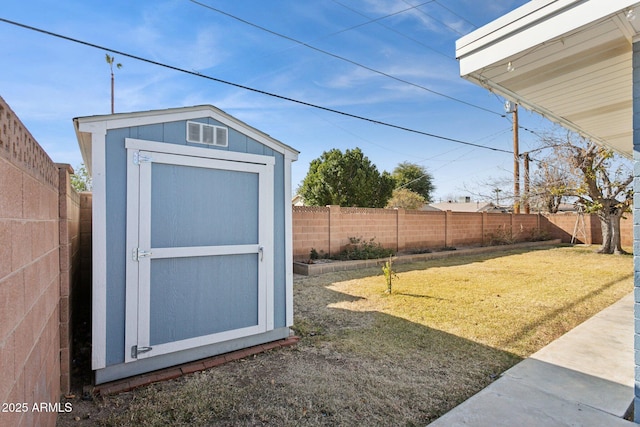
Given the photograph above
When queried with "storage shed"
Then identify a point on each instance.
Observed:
(192, 245)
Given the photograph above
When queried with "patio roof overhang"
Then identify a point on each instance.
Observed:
(569, 60)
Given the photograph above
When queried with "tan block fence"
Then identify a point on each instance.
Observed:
(328, 229)
(39, 262)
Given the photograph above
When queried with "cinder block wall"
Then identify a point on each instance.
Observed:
(562, 226)
(69, 237)
(82, 286)
(310, 230)
(328, 229)
(424, 229)
(34, 267)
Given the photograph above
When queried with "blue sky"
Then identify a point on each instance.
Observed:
(48, 81)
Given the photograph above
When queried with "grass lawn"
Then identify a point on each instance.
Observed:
(449, 328)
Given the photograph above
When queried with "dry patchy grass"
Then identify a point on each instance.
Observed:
(516, 303)
(366, 357)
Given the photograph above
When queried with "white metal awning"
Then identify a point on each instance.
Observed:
(569, 60)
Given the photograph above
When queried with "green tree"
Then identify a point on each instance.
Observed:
(405, 198)
(346, 179)
(415, 178)
(80, 180)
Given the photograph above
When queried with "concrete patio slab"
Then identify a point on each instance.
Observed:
(507, 403)
(584, 378)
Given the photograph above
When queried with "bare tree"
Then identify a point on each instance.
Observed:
(551, 185)
(600, 180)
(498, 190)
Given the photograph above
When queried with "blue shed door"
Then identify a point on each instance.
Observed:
(201, 254)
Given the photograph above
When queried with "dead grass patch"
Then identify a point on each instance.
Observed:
(369, 358)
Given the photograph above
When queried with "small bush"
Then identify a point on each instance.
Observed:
(538, 235)
(419, 251)
(359, 249)
(502, 236)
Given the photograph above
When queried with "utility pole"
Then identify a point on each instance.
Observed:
(516, 163)
(110, 60)
(527, 206)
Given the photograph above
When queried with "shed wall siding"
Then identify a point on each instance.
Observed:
(116, 220)
(173, 133)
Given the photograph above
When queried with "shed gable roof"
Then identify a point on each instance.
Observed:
(100, 124)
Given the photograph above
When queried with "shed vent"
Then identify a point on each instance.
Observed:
(202, 133)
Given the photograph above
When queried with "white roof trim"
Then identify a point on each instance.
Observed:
(100, 124)
(533, 24)
(572, 63)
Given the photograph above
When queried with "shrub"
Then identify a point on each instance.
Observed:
(359, 249)
(419, 251)
(502, 236)
(538, 235)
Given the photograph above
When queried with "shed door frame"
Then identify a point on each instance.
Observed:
(138, 212)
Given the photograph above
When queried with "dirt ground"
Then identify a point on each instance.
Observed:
(349, 368)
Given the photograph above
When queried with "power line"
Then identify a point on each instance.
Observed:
(456, 14)
(204, 76)
(376, 20)
(369, 21)
(533, 132)
(391, 28)
(437, 20)
(342, 58)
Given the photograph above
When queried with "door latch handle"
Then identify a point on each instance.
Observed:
(261, 250)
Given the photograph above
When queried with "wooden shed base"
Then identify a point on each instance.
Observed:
(128, 384)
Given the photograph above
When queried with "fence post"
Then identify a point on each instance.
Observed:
(334, 229)
(485, 222)
(69, 262)
(400, 228)
(447, 225)
(512, 219)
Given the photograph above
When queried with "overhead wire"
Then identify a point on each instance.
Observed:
(341, 58)
(370, 21)
(240, 86)
(456, 14)
(437, 20)
(373, 20)
(377, 21)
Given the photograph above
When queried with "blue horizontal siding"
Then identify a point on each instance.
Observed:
(172, 133)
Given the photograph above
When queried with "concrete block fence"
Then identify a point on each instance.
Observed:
(328, 229)
(39, 247)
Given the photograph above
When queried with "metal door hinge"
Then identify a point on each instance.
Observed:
(135, 351)
(139, 253)
(141, 158)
